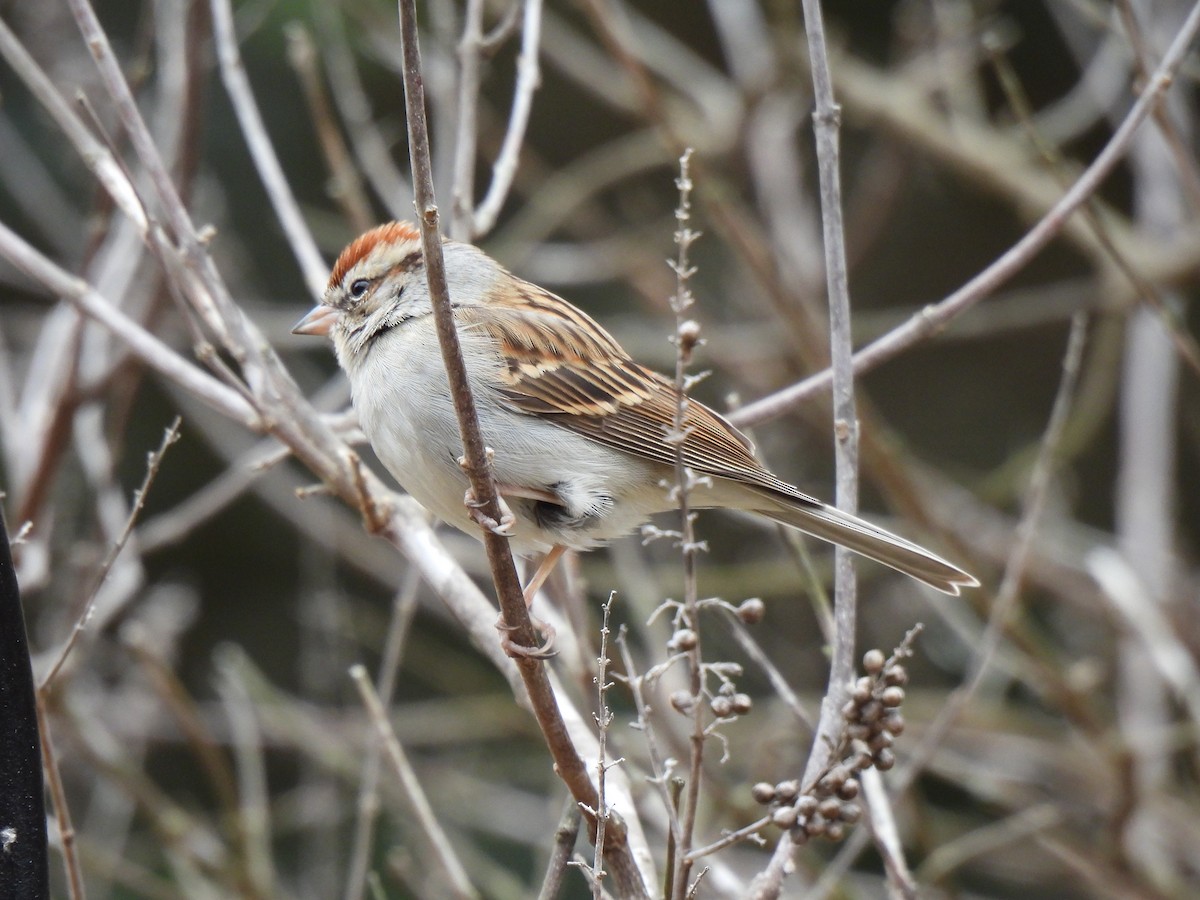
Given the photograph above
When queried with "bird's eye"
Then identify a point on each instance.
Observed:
(359, 287)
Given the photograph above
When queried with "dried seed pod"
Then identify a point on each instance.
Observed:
(751, 611)
(763, 792)
(892, 696)
(873, 661)
(879, 741)
(830, 807)
(893, 722)
(807, 805)
(885, 759)
(688, 334)
(859, 750)
(862, 691)
(683, 702)
(784, 817)
(787, 791)
(721, 707)
(742, 704)
(858, 731)
(683, 639)
(895, 674)
(849, 790)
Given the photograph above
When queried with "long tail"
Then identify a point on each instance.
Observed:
(857, 534)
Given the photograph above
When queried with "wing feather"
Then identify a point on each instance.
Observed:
(561, 365)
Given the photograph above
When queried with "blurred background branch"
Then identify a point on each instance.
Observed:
(1006, 167)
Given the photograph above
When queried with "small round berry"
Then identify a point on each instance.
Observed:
(835, 831)
(849, 790)
(721, 707)
(683, 639)
(816, 825)
(742, 704)
(895, 675)
(880, 740)
(830, 807)
(751, 611)
(850, 813)
(892, 696)
(873, 661)
(763, 792)
(807, 805)
(893, 722)
(784, 817)
(862, 690)
(683, 702)
(885, 759)
(787, 791)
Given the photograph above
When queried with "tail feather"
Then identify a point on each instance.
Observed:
(861, 536)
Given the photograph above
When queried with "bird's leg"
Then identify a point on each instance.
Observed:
(545, 629)
(545, 567)
(507, 522)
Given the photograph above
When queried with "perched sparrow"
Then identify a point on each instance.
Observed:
(578, 428)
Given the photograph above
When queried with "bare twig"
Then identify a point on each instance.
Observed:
(443, 850)
(687, 338)
(515, 615)
(565, 836)
(936, 316)
(403, 607)
(827, 122)
(505, 166)
(153, 462)
(58, 799)
(262, 151)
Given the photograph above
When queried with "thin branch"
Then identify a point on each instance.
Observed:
(466, 136)
(515, 615)
(153, 462)
(528, 79)
(403, 607)
(443, 850)
(96, 156)
(831, 722)
(262, 151)
(937, 316)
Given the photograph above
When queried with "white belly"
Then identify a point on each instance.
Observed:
(411, 424)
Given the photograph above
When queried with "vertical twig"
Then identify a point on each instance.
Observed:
(262, 151)
(516, 617)
(686, 339)
(403, 608)
(827, 122)
(443, 850)
(528, 79)
(470, 53)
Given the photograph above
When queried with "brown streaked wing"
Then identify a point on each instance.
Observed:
(561, 365)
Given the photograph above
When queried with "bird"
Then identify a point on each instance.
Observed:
(580, 433)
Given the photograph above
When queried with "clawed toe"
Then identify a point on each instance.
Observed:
(507, 522)
(546, 651)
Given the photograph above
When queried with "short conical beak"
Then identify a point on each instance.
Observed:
(319, 321)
